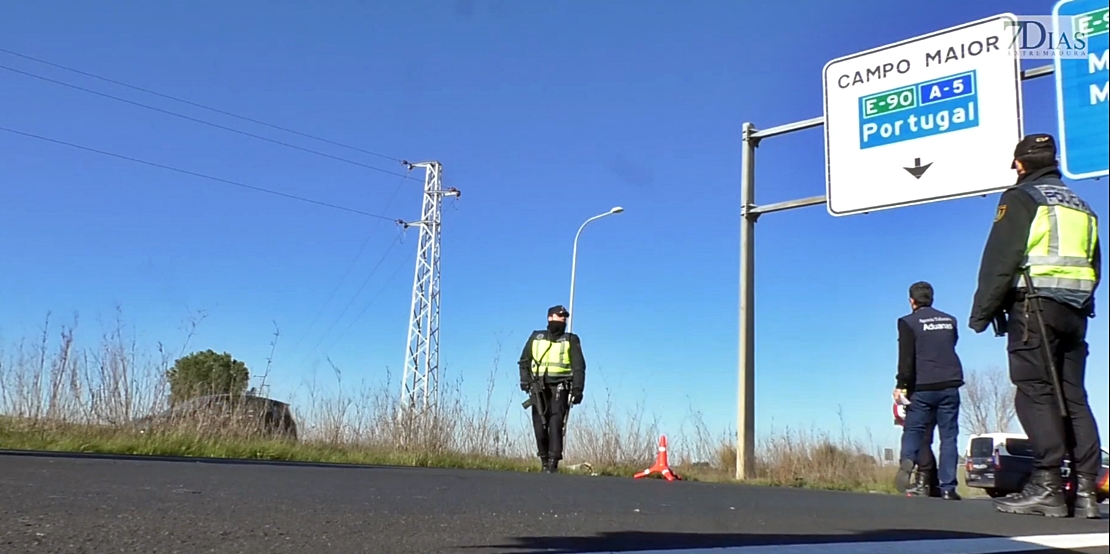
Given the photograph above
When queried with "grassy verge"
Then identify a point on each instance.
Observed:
(58, 396)
(73, 438)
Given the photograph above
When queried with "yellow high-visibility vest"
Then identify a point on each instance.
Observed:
(1060, 251)
(550, 357)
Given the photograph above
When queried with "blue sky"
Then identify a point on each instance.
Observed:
(543, 114)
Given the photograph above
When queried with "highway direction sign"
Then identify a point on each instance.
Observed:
(1081, 91)
(930, 118)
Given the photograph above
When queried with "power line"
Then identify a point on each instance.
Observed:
(350, 267)
(201, 121)
(198, 105)
(371, 302)
(203, 176)
(359, 291)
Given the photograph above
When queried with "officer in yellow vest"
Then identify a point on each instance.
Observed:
(553, 372)
(1045, 233)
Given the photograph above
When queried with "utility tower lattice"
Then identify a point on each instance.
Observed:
(420, 383)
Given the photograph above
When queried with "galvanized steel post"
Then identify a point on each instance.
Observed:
(749, 214)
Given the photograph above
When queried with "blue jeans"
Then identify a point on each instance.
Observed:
(941, 407)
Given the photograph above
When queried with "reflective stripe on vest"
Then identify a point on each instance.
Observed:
(1060, 249)
(551, 357)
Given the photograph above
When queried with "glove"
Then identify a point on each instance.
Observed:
(575, 397)
(526, 387)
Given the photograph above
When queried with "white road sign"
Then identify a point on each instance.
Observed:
(930, 118)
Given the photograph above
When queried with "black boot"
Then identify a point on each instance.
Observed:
(934, 485)
(1086, 498)
(928, 483)
(552, 466)
(922, 486)
(543, 463)
(1043, 495)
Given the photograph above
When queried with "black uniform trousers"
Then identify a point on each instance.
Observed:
(1051, 436)
(926, 460)
(549, 426)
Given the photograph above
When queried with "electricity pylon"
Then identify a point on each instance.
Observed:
(420, 383)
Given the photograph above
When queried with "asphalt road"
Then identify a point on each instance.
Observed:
(77, 505)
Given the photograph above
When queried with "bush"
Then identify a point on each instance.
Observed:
(207, 373)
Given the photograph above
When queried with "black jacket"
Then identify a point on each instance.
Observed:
(927, 358)
(577, 362)
(1004, 252)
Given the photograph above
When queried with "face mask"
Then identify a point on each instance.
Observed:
(556, 327)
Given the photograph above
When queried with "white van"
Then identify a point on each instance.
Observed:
(998, 463)
(1001, 463)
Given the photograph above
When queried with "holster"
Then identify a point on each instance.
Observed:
(1000, 324)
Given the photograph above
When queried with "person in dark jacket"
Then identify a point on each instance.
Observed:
(1045, 232)
(553, 372)
(930, 375)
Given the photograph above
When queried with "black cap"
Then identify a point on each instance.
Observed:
(558, 310)
(1040, 143)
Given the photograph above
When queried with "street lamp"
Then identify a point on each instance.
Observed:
(574, 260)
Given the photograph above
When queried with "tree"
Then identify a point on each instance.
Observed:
(203, 373)
(987, 405)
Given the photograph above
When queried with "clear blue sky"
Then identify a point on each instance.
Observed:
(543, 114)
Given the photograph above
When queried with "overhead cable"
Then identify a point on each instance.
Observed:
(203, 122)
(204, 176)
(198, 105)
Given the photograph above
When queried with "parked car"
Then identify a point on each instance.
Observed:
(1001, 463)
(217, 413)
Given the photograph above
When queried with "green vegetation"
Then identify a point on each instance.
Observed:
(57, 396)
(203, 373)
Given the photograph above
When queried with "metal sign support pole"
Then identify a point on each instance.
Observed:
(749, 214)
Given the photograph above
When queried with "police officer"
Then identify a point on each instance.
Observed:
(1043, 228)
(553, 372)
(927, 483)
(930, 374)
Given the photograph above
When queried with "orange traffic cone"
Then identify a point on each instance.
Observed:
(660, 466)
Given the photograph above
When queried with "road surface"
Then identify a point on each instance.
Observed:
(56, 504)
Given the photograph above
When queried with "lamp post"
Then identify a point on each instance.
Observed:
(574, 260)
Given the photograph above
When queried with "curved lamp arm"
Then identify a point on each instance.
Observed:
(574, 260)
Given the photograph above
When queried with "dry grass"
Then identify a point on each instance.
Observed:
(58, 396)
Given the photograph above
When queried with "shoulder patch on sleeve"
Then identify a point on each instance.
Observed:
(998, 215)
